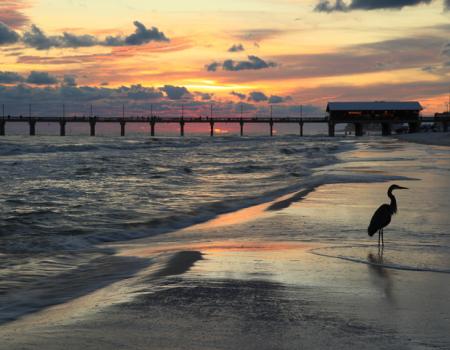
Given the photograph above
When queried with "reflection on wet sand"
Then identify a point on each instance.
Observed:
(381, 277)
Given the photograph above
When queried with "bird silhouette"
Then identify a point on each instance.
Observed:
(382, 216)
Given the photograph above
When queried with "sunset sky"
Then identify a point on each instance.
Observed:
(261, 52)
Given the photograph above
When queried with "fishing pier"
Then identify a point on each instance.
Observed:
(357, 114)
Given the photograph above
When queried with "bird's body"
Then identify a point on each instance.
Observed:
(382, 216)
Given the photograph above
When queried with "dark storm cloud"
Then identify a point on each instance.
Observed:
(7, 35)
(37, 39)
(41, 78)
(10, 78)
(341, 6)
(238, 95)
(238, 47)
(257, 96)
(253, 63)
(175, 92)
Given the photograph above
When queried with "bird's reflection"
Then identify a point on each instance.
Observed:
(381, 276)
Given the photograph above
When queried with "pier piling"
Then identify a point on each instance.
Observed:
(32, 123)
(182, 128)
(445, 126)
(62, 127)
(92, 123)
(330, 129)
(271, 127)
(241, 123)
(359, 129)
(386, 129)
(414, 127)
(211, 133)
(122, 127)
(152, 127)
(301, 128)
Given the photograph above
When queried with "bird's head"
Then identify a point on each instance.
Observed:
(397, 187)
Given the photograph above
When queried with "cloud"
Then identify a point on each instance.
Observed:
(141, 36)
(274, 99)
(204, 96)
(447, 5)
(238, 95)
(258, 34)
(341, 6)
(253, 63)
(238, 47)
(11, 13)
(138, 92)
(10, 78)
(37, 39)
(69, 80)
(41, 78)
(257, 96)
(7, 35)
(446, 49)
(175, 92)
(212, 67)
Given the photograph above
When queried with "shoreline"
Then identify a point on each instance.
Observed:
(427, 138)
(253, 294)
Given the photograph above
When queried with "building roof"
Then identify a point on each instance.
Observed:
(374, 106)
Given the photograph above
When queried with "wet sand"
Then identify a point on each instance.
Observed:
(267, 291)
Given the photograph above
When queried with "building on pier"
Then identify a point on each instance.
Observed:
(365, 113)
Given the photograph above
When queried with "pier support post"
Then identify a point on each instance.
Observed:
(122, 127)
(2, 127)
(413, 127)
(445, 126)
(271, 127)
(330, 129)
(359, 129)
(386, 129)
(241, 123)
(182, 128)
(152, 127)
(301, 128)
(211, 133)
(92, 123)
(62, 127)
(32, 123)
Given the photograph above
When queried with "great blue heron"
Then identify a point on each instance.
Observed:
(382, 216)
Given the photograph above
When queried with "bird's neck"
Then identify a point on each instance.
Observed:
(393, 204)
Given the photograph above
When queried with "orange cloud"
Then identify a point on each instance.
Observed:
(11, 13)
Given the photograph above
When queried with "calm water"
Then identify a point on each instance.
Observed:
(61, 197)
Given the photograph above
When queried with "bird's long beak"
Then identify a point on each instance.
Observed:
(402, 188)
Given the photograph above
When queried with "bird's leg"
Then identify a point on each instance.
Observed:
(379, 236)
(382, 238)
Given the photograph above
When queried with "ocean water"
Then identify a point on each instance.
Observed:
(62, 197)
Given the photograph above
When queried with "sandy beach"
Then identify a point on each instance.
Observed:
(254, 279)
